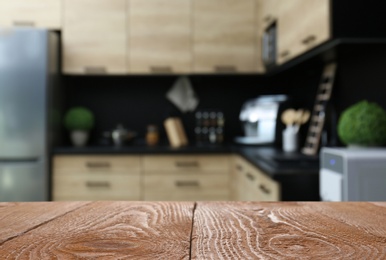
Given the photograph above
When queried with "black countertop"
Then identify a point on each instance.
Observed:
(269, 159)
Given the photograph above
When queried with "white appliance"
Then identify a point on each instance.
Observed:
(348, 174)
(259, 118)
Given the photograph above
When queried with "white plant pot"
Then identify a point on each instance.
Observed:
(79, 138)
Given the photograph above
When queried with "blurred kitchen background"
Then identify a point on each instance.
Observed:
(120, 59)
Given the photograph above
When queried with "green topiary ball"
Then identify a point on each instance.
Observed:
(363, 124)
(79, 118)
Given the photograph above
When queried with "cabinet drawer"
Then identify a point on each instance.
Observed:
(269, 189)
(186, 163)
(97, 163)
(190, 186)
(96, 187)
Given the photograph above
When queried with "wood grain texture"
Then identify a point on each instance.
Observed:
(224, 36)
(186, 186)
(289, 230)
(110, 230)
(37, 13)
(94, 36)
(18, 218)
(159, 36)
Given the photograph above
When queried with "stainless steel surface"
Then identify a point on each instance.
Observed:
(120, 135)
(23, 181)
(28, 71)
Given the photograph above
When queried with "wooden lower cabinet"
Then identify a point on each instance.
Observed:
(187, 178)
(160, 178)
(251, 184)
(96, 178)
(184, 186)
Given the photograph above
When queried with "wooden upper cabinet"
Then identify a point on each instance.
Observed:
(302, 25)
(317, 29)
(94, 37)
(269, 11)
(36, 13)
(259, 33)
(289, 30)
(224, 36)
(159, 38)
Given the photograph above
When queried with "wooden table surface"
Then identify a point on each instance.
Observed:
(189, 230)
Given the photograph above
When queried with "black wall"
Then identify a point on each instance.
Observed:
(137, 101)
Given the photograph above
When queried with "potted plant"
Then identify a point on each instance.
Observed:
(79, 121)
(363, 124)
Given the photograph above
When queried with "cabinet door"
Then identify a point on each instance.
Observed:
(259, 32)
(267, 188)
(302, 25)
(269, 12)
(94, 37)
(224, 36)
(38, 13)
(317, 26)
(289, 30)
(159, 36)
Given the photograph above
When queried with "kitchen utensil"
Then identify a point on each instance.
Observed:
(305, 116)
(120, 135)
(288, 117)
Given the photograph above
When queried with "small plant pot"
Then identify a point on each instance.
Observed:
(79, 138)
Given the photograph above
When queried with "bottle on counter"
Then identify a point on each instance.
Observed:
(152, 135)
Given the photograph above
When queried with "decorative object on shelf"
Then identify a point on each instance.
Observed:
(363, 124)
(209, 126)
(175, 132)
(79, 121)
(152, 135)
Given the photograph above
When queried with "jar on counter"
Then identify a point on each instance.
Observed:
(152, 135)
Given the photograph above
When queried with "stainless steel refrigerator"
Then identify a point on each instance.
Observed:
(28, 76)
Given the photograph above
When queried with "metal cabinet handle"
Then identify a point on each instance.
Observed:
(309, 39)
(161, 69)
(95, 70)
(225, 68)
(187, 183)
(23, 23)
(239, 167)
(98, 184)
(250, 176)
(284, 54)
(187, 164)
(98, 164)
(268, 18)
(264, 189)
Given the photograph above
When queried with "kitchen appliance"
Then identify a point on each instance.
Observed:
(353, 174)
(259, 119)
(268, 46)
(28, 76)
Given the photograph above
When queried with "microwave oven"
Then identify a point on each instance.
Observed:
(353, 174)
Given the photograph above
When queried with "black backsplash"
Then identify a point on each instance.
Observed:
(137, 101)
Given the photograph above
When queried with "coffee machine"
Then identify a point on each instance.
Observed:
(259, 117)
